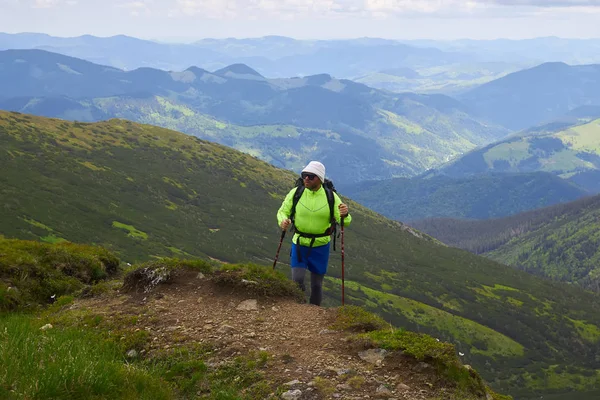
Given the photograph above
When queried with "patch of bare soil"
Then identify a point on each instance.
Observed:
(305, 355)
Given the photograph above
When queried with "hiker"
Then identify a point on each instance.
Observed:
(313, 227)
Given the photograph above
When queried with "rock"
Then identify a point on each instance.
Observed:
(275, 308)
(292, 383)
(200, 275)
(343, 386)
(373, 356)
(132, 353)
(226, 329)
(345, 371)
(247, 282)
(326, 332)
(292, 394)
(46, 327)
(248, 305)
(383, 391)
(421, 366)
(402, 387)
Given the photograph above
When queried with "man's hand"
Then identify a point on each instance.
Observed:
(343, 210)
(285, 223)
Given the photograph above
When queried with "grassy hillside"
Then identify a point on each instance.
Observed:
(559, 242)
(572, 153)
(143, 192)
(478, 197)
(383, 134)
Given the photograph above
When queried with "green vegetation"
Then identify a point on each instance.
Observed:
(218, 218)
(134, 233)
(560, 242)
(478, 197)
(67, 364)
(422, 347)
(259, 280)
(32, 272)
(571, 152)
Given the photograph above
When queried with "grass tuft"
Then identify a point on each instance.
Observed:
(259, 280)
(357, 319)
(153, 273)
(32, 272)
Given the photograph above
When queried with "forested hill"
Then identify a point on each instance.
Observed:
(148, 192)
(561, 242)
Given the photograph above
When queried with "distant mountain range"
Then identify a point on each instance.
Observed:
(359, 132)
(537, 95)
(571, 151)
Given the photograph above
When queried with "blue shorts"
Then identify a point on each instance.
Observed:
(316, 260)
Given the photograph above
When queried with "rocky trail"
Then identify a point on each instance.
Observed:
(307, 359)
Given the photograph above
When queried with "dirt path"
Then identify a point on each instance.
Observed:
(303, 351)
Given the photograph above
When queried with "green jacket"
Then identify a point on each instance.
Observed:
(312, 214)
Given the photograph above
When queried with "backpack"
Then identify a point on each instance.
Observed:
(329, 190)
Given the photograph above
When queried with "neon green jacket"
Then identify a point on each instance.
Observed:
(312, 214)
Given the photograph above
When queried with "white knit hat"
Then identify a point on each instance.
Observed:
(315, 167)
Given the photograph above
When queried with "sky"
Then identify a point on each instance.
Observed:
(189, 20)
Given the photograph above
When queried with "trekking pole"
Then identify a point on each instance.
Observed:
(279, 247)
(342, 223)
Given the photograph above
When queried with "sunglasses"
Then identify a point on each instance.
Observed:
(309, 176)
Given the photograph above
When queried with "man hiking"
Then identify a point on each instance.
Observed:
(313, 219)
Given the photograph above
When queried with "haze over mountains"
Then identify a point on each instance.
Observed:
(384, 134)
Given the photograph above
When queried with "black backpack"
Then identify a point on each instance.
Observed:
(331, 231)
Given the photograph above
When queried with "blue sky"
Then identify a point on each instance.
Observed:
(305, 19)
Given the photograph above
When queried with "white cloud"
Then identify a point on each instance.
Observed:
(137, 7)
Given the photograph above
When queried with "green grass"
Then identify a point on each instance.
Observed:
(480, 339)
(67, 364)
(32, 272)
(133, 232)
(258, 279)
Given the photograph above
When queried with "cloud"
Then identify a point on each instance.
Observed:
(137, 7)
(52, 3)
(547, 3)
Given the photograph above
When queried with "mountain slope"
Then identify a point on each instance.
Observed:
(145, 191)
(533, 96)
(478, 197)
(572, 152)
(379, 134)
(558, 242)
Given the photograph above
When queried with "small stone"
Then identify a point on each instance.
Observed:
(326, 332)
(248, 305)
(383, 391)
(132, 353)
(343, 386)
(46, 327)
(200, 275)
(402, 387)
(292, 383)
(292, 394)
(247, 282)
(373, 356)
(226, 329)
(275, 308)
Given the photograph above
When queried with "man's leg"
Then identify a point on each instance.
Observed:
(316, 288)
(298, 277)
